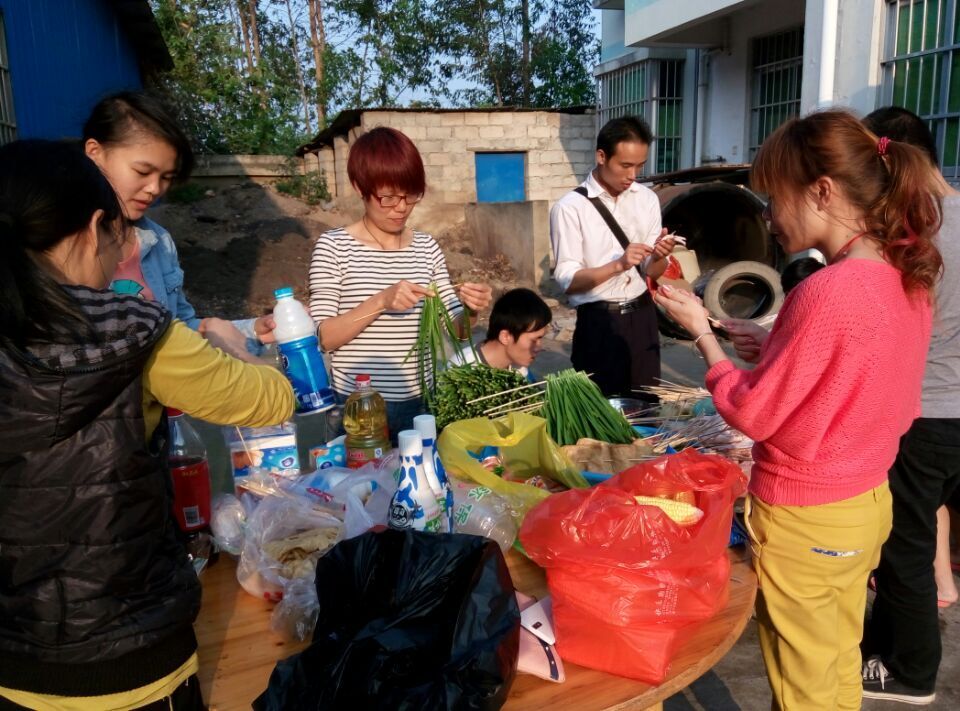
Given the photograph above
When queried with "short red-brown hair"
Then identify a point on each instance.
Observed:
(384, 158)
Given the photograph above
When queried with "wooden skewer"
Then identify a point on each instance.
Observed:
(504, 392)
(528, 408)
(366, 316)
(513, 402)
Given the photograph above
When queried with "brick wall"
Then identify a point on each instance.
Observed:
(559, 148)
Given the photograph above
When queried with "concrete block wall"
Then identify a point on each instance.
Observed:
(559, 147)
(324, 162)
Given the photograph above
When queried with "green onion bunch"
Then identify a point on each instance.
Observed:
(437, 341)
(576, 408)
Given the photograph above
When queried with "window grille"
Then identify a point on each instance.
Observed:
(653, 89)
(777, 77)
(8, 121)
(921, 70)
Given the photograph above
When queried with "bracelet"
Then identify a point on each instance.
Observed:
(707, 333)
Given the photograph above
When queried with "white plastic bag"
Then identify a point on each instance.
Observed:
(228, 519)
(363, 494)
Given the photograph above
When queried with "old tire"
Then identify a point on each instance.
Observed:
(747, 290)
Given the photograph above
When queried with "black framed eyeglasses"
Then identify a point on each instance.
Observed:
(394, 200)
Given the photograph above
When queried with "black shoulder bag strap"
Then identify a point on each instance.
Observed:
(609, 219)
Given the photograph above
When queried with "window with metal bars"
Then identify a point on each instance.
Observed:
(777, 76)
(8, 121)
(921, 70)
(653, 89)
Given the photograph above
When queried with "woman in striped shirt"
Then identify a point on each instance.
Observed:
(368, 279)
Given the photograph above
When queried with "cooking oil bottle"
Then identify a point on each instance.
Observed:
(365, 420)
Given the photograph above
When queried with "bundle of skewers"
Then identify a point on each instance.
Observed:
(676, 401)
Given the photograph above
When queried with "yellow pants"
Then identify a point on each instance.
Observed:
(812, 564)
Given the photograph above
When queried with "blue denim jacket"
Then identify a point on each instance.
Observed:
(162, 272)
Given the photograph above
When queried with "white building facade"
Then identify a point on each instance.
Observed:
(715, 77)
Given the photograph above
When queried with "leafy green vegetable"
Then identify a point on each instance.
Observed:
(575, 408)
(456, 387)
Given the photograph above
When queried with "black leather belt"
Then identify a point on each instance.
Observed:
(618, 307)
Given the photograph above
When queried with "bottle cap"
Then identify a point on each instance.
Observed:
(284, 292)
(409, 443)
(426, 425)
(362, 378)
(173, 412)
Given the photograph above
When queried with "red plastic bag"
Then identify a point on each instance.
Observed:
(626, 579)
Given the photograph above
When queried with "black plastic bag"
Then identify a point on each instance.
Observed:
(407, 620)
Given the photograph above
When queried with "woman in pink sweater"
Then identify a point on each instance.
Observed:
(836, 383)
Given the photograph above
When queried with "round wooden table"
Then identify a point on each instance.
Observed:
(238, 650)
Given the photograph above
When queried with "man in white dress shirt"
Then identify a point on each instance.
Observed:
(616, 338)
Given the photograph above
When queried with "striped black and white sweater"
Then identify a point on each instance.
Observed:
(343, 274)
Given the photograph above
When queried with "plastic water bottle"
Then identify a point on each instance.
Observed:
(426, 425)
(479, 511)
(300, 354)
(365, 421)
(413, 505)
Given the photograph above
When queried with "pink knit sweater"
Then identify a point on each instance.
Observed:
(837, 384)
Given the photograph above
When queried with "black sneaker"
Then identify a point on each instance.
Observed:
(878, 683)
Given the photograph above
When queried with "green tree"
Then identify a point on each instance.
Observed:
(563, 54)
(234, 81)
(536, 53)
(257, 76)
(387, 49)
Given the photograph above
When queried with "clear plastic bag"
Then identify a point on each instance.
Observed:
(278, 541)
(479, 511)
(295, 615)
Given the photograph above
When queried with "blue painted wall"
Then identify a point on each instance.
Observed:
(501, 177)
(64, 56)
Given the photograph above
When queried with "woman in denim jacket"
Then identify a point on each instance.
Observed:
(141, 150)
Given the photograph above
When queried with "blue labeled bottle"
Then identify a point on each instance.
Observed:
(426, 425)
(414, 505)
(296, 336)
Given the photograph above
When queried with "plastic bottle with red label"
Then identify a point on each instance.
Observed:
(190, 473)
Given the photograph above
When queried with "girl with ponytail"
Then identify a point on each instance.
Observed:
(836, 383)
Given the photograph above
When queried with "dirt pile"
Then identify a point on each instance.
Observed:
(240, 243)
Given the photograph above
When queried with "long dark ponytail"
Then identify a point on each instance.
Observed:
(48, 191)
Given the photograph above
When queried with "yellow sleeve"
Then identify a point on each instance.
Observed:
(187, 373)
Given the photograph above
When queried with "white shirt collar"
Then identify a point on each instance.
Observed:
(594, 188)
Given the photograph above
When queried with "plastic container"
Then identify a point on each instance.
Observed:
(365, 421)
(480, 512)
(300, 354)
(414, 505)
(272, 450)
